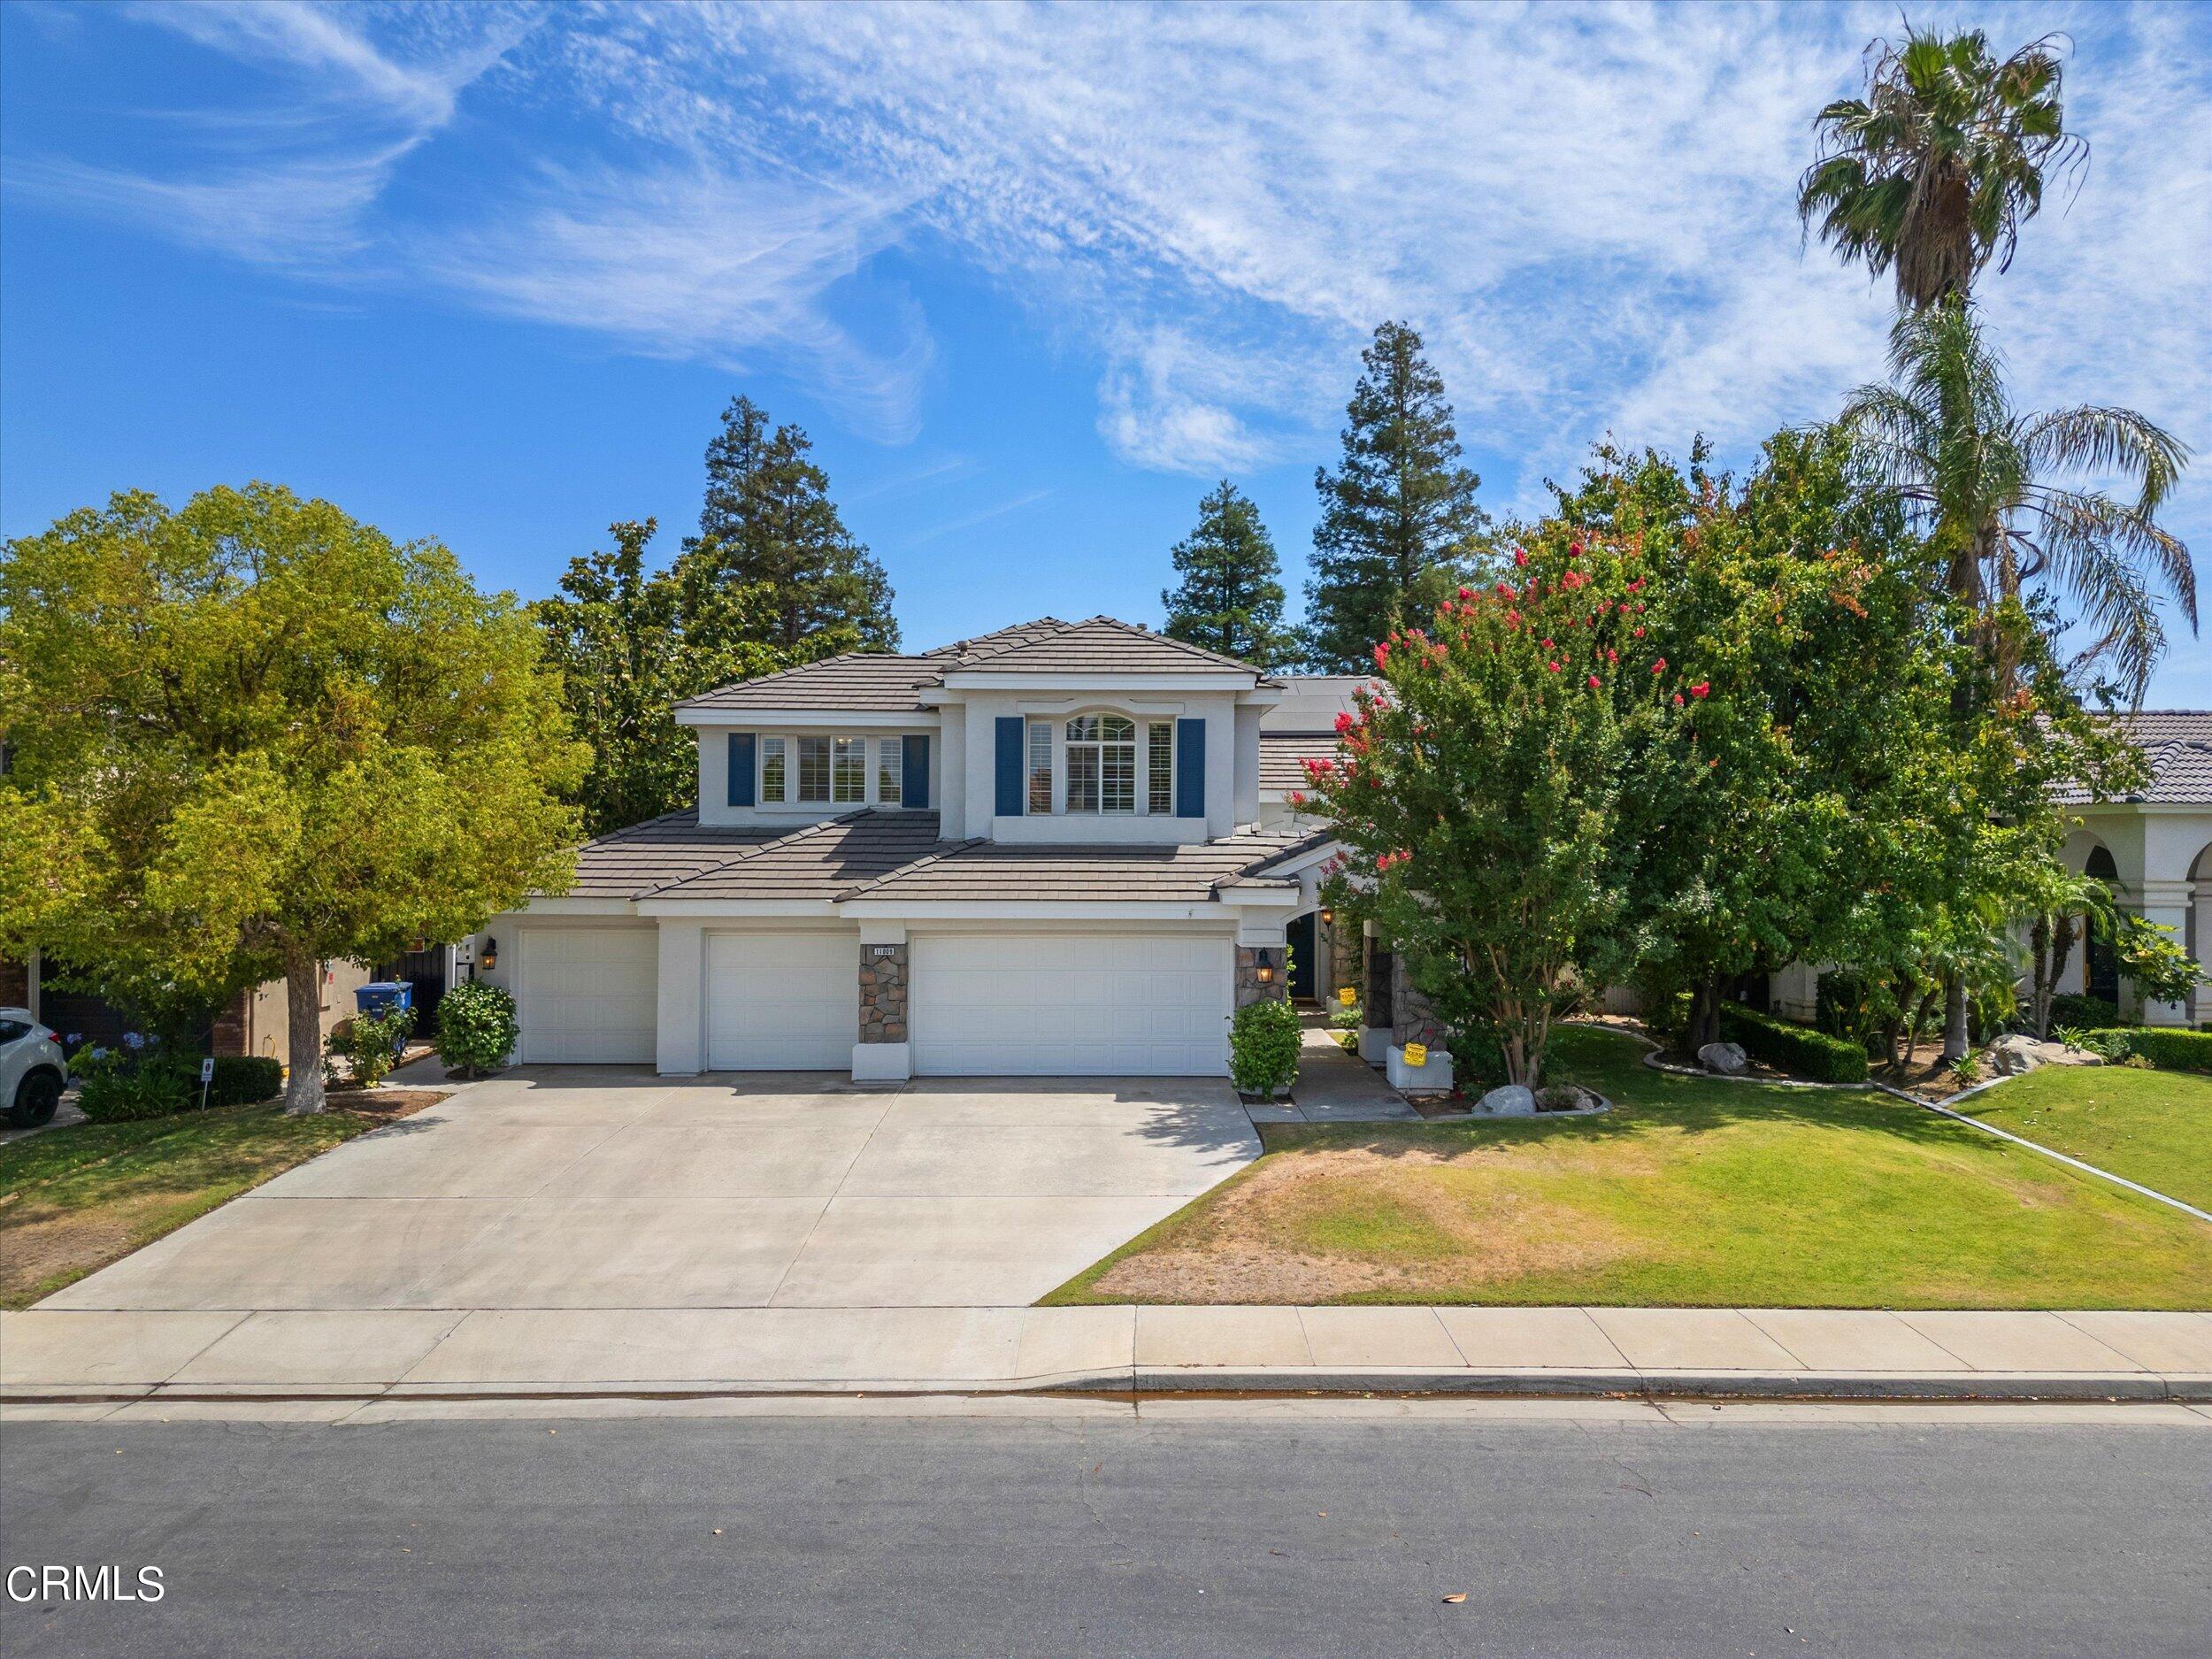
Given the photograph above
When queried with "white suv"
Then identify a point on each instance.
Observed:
(33, 1072)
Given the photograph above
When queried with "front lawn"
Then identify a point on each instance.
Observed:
(2154, 1127)
(75, 1199)
(1690, 1193)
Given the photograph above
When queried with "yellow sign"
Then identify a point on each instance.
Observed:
(1417, 1055)
(1347, 996)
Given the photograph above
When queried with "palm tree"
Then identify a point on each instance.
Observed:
(1991, 485)
(1935, 169)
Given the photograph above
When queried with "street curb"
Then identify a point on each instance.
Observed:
(1155, 1381)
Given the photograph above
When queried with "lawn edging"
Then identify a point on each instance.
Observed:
(1654, 1061)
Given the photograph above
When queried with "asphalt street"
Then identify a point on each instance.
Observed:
(1205, 1530)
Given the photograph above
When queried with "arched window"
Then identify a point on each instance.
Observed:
(2101, 958)
(1102, 763)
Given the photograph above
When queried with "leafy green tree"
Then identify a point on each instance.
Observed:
(2003, 494)
(631, 642)
(1231, 597)
(1752, 830)
(253, 735)
(768, 522)
(1398, 526)
(1933, 172)
(1476, 793)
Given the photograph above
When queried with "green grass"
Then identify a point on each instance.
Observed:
(2154, 1127)
(1690, 1193)
(75, 1199)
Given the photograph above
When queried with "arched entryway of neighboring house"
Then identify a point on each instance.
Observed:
(2101, 960)
(2197, 931)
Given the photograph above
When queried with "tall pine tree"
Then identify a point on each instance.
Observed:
(1398, 526)
(1230, 600)
(769, 521)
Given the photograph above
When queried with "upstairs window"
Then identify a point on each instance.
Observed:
(1040, 766)
(1160, 768)
(891, 772)
(1102, 763)
(848, 779)
(814, 771)
(772, 774)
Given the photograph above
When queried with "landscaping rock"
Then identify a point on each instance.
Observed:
(1727, 1058)
(1512, 1100)
(2015, 1054)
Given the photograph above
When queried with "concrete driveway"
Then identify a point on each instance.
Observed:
(574, 1187)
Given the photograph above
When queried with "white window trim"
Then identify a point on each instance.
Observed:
(871, 766)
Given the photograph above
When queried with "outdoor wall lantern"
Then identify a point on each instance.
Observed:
(1328, 917)
(490, 957)
(1264, 968)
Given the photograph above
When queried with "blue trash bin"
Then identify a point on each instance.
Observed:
(377, 997)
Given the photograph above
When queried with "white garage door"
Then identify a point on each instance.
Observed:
(1009, 1004)
(589, 995)
(782, 1002)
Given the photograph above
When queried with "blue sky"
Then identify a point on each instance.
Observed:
(1031, 278)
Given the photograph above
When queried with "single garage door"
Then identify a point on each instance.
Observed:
(1010, 1004)
(782, 1002)
(589, 995)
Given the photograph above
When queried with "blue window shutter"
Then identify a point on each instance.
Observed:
(1190, 769)
(914, 772)
(1010, 765)
(740, 769)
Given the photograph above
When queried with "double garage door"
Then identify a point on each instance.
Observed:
(1083, 1005)
(983, 1004)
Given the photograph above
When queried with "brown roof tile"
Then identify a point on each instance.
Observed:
(627, 862)
(2176, 750)
(858, 682)
(819, 862)
(1000, 870)
(1280, 753)
(1100, 645)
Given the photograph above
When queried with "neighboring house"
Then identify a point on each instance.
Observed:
(2153, 848)
(253, 1022)
(1061, 848)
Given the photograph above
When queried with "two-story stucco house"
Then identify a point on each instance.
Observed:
(1058, 847)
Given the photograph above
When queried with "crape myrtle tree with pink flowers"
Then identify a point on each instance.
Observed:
(1477, 789)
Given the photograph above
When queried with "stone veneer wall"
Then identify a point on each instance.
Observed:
(1412, 1020)
(1249, 987)
(883, 987)
(15, 983)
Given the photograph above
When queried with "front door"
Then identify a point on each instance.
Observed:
(1303, 950)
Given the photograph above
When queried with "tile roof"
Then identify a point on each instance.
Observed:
(2176, 749)
(819, 862)
(627, 862)
(872, 682)
(1101, 643)
(868, 682)
(1280, 753)
(1000, 871)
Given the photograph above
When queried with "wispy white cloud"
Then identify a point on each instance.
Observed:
(690, 264)
(968, 521)
(1588, 211)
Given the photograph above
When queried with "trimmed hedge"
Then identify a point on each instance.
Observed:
(1798, 1049)
(242, 1079)
(2168, 1048)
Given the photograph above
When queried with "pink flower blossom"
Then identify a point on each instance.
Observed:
(1659, 667)
(1343, 723)
(1519, 557)
(1700, 689)
(1593, 682)
(1554, 667)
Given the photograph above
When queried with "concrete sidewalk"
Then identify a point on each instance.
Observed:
(1707, 1353)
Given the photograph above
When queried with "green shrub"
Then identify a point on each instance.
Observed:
(118, 1086)
(2090, 1013)
(371, 1043)
(2168, 1048)
(1344, 1016)
(1264, 1039)
(1798, 1049)
(244, 1080)
(476, 1027)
